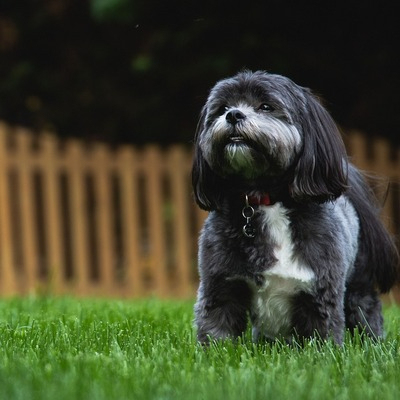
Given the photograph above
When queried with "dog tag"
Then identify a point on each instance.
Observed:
(249, 230)
(248, 213)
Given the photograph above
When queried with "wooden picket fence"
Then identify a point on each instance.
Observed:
(85, 219)
(90, 220)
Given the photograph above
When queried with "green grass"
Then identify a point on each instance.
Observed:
(102, 349)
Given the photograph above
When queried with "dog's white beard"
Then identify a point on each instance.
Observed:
(240, 160)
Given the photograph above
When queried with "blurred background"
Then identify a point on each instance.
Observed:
(99, 100)
(138, 71)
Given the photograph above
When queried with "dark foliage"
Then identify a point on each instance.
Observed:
(139, 71)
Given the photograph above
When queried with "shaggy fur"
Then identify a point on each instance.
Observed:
(317, 256)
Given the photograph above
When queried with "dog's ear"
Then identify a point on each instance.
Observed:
(321, 171)
(207, 186)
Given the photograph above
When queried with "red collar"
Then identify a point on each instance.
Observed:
(261, 200)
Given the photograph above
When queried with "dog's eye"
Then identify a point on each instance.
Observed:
(223, 109)
(266, 107)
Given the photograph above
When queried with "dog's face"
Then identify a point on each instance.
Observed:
(250, 127)
(260, 127)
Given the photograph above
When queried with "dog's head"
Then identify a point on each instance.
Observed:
(260, 127)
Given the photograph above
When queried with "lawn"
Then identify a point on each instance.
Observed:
(106, 349)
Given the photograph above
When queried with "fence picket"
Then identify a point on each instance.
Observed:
(27, 209)
(8, 281)
(128, 174)
(357, 148)
(52, 215)
(180, 219)
(157, 255)
(103, 213)
(78, 213)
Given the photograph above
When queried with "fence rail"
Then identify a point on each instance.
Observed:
(86, 219)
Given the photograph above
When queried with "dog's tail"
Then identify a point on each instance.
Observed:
(378, 258)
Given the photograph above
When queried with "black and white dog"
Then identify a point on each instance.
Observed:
(293, 238)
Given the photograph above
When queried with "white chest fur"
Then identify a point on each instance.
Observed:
(272, 302)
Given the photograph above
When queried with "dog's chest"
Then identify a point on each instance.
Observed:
(272, 301)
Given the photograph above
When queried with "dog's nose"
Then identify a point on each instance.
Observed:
(234, 116)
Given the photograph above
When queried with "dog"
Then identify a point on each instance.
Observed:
(293, 241)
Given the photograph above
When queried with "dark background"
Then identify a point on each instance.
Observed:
(139, 71)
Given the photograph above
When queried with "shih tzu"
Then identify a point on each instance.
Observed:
(293, 240)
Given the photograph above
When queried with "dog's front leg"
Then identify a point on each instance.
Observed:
(321, 314)
(221, 309)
